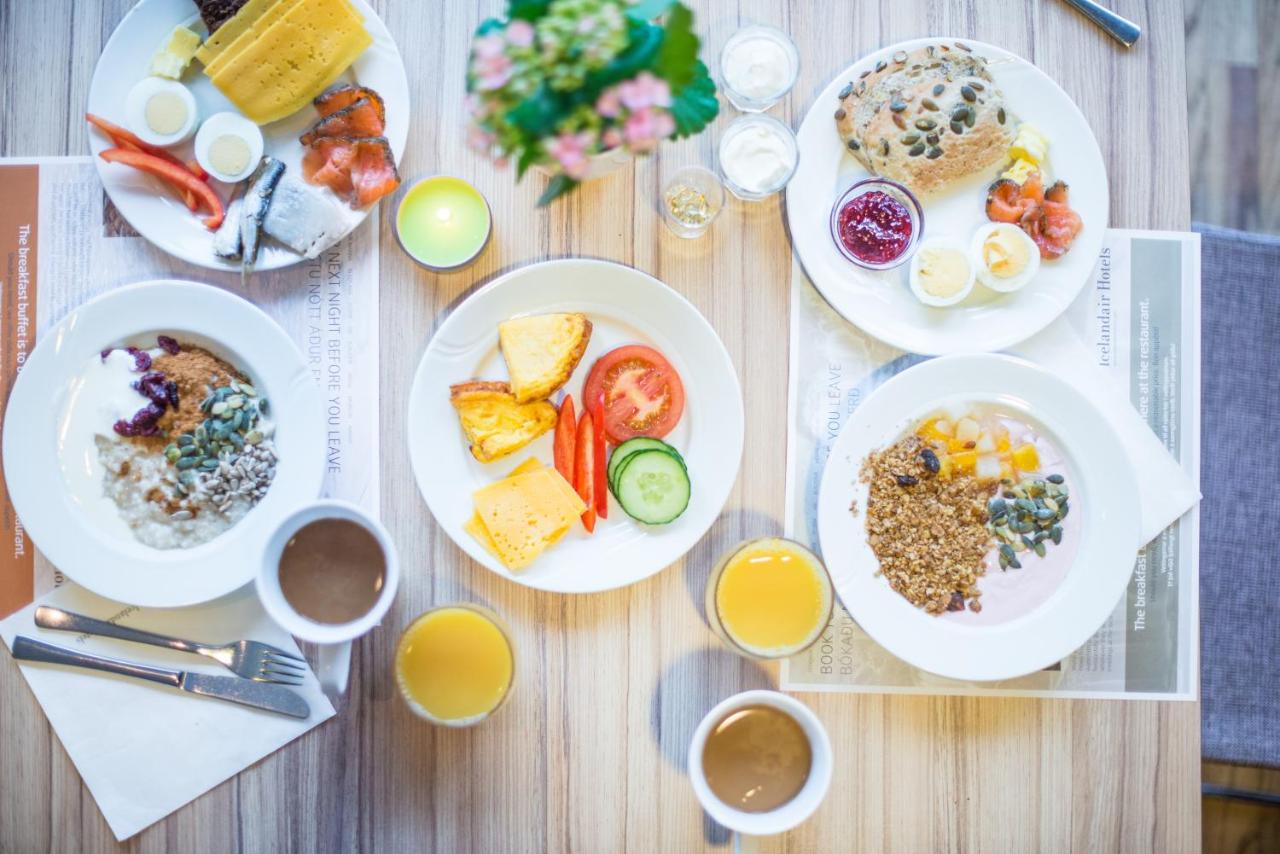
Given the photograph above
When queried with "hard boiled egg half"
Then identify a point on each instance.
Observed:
(941, 273)
(1005, 257)
(229, 146)
(161, 112)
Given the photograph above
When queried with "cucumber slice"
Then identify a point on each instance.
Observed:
(631, 446)
(653, 487)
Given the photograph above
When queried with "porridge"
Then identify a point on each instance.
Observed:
(171, 444)
(969, 516)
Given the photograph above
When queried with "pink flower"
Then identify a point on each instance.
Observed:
(477, 107)
(520, 33)
(611, 138)
(491, 72)
(644, 90)
(608, 104)
(488, 46)
(479, 139)
(645, 128)
(570, 150)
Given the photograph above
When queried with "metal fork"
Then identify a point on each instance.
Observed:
(250, 659)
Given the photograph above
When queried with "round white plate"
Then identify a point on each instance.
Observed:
(113, 563)
(153, 211)
(625, 306)
(1103, 487)
(880, 303)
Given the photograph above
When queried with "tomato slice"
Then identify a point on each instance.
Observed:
(566, 427)
(583, 474)
(600, 490)
(643, 395)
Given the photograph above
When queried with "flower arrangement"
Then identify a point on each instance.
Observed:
(558, 81)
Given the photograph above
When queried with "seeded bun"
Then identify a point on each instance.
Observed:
(926, 118)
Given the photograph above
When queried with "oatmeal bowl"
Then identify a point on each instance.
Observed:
(979, 517)
(157, 436)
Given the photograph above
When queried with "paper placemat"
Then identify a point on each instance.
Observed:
(1139, 322)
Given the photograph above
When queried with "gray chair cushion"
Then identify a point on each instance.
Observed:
(1240, 514)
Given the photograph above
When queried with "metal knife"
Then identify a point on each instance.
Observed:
(246, 692)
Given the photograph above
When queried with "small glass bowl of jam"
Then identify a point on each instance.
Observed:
(877, 223)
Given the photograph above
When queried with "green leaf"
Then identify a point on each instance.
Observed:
(647, 10)
(556, 187)
(643, 43)
(529, 155)
(695, 106)
(488, 25)
(677, 59)
(529, 10)
(537, 115)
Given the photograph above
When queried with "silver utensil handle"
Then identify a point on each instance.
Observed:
(29, 649)
(1121, 29)
(65, 621)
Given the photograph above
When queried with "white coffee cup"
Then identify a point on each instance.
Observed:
(794, 811)
(334, 662)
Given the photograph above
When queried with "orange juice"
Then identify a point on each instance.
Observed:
(454, 665)
(770, 598)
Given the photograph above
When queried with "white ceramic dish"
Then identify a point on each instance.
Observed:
(113, 563)
(880, 303)
(625, 306)
(1104, 488)
(153, 211)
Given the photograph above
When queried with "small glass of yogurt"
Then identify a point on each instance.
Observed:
(758, 155)
(758, 65)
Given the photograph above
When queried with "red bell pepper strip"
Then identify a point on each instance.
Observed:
(566, 427)
(583, 476)
(598, 469)
(120, 136)
(178, 176)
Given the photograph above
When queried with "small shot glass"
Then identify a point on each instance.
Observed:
(758, 66)
(691, 201)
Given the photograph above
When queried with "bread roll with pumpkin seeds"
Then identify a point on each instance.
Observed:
(926, 118)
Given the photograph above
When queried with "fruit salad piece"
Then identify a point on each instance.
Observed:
(978, 445)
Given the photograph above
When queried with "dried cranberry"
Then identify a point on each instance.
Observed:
(169, 345)
(123, 428)
(141, 359)
(106, 353)
(957, 602)
(171, 393)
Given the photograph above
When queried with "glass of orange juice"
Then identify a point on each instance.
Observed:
(769, 598)
(455, 664)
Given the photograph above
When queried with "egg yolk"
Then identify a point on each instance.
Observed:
(943, 272)
(1004, 254)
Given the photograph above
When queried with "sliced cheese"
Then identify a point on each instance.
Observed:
(259, 28)
(522, 515)
(232, 29)
(295, 60)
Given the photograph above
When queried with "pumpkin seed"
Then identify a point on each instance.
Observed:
(969, 118)
(881, 65)
(853, 145)
(187, 463)
(964, 47)
(939, 89)
(897, 105)
(932, 139)
(884, 147)
(909, 138)
(1056, 479)
(1000, 115)
(1038, 548)
(188, 450)
(253, 437)
(900, 57)
(864, 74)
(218, 408)
(840, 114)
(957, 127)
(1055, 534)
(968, 94)
(899, 121)
(929, 104)
(245, 388)
(926, 124)
(846, 91)
(916, 150)
(172, 454)
(208, 465)
(976, 85)
(934, 153)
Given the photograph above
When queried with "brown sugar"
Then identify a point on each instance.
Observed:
(928, 532)
(194, 370)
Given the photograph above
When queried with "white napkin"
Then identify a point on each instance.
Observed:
(143, 749)
(1165, 489)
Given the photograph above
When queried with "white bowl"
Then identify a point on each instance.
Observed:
(114, 564)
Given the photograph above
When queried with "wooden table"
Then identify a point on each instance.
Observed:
(589, 754)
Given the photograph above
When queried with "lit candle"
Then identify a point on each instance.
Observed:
(443, 222)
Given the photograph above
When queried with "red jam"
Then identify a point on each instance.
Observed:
(875, 227)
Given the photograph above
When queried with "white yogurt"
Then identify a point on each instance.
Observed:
(100, 395)
(758, 155)
(758, 65)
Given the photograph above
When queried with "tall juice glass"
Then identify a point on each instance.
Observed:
(769, 598)
(455, 664)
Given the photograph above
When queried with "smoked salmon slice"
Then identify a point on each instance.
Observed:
(360, 119)
(359, 167)
(1043, 214)
(342, 96)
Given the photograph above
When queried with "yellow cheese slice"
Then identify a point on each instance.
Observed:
(293, 61)
(277, 10)
(232, 29)
(524, 514)
(531, 464)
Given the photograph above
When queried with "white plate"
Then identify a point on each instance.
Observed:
(880, 303)
(114, 564)
(625, 306)
(153, 211)
(1103, 488)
